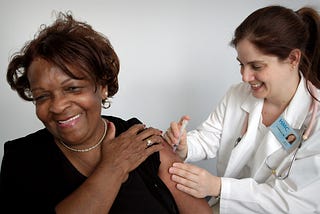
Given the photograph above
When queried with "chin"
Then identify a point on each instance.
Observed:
(258, 95)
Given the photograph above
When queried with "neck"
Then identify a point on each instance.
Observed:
(273, 107)
(277, 103)
(283, 96)
(90, 148)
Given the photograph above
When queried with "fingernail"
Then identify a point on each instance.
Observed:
(170, 169)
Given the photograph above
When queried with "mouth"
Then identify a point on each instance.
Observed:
(69, 122)
(256, 86)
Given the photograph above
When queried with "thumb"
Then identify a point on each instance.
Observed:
(111, 131)
(184, 118)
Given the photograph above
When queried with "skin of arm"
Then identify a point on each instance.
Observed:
(185, 202)
(77, 202)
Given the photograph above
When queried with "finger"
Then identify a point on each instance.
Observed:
(187, 167)
(175, 129)
(133, 130)
(111, 131)
(154, 139)
(148, 132)
(171, 140)
(184, 181)
(184, 117)
(140, 147)
(152, 149)
(166, 138)
(188, 190)
(143, 155)
(183, 175)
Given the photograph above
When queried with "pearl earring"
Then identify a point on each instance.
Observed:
(106, 103)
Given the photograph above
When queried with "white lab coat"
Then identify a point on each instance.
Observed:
(251, 188)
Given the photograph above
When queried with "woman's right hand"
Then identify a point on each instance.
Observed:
(127, 151)
(172, 137)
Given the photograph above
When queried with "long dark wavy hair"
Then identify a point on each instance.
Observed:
(276, 30)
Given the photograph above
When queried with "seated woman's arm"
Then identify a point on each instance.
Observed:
(185, 202)
(119, 156)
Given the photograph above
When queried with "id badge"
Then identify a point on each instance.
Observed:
(286, 135)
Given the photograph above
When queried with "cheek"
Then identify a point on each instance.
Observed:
(42, 113)
(90, 102)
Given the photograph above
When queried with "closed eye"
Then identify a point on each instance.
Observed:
(73, 89)
(256, 67)
(40, 98)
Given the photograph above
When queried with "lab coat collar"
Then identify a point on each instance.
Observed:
(298, 109)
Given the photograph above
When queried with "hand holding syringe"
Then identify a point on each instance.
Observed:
(182, 128)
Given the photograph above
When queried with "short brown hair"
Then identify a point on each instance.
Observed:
(67, 42)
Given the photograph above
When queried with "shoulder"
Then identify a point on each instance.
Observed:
(118, 120)
(27, 151)
(121, 124)
(32, 141)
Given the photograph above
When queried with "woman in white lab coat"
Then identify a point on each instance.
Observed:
(258, 169)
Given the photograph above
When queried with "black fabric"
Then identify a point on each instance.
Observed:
(35, 176)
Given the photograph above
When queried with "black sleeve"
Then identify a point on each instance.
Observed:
(16, 187)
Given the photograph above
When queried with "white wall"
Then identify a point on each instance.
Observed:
(175, 54)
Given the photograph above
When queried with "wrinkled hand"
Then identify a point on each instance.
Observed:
(194, 180)
(127, 151)
(172, 136)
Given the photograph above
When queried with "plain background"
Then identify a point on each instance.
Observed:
(175, 55)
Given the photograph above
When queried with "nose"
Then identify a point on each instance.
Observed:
(59, 103)
(247, 74)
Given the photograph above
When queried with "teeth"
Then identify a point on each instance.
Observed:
(256, 85)
(72, 118)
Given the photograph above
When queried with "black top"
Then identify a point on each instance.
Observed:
(35, 176)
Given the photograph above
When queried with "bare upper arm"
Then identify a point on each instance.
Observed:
(186, 203)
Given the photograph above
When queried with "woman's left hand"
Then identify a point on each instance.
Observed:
(194, 180)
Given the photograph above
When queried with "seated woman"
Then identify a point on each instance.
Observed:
(82, 162)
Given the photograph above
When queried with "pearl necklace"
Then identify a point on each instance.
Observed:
(90, 148)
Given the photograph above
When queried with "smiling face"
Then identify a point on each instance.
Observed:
(269, 77)
(69, 108)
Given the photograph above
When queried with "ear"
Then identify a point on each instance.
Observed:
(294, 58)
(104, 92)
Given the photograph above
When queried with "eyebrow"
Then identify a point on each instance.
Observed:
(251, 62)
(63, 82)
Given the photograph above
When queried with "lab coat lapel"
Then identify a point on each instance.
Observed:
(299, 107)
(242, 152)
